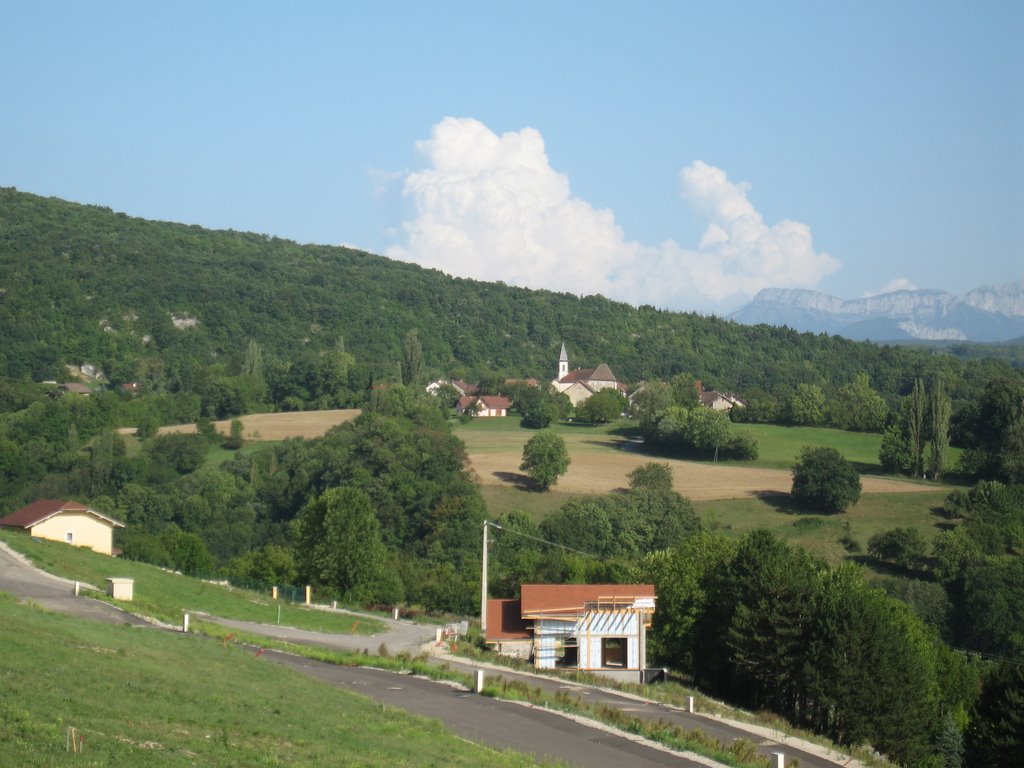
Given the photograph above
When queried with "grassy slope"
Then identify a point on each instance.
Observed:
(153, 699)
(165, 595)
(821, 534)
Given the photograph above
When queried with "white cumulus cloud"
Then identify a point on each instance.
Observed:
(896, 284)
(492, 207)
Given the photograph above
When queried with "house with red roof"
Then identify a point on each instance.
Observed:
(598, 628)
(580, 383)
(67, 521)
(484, 405)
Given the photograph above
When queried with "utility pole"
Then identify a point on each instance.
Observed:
(483, 587)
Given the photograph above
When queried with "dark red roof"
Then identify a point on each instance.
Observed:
(553, 598)
(469, 389)
(40, 510)
(495, 402)
(583, 375)
(505, 621)
(580, 374)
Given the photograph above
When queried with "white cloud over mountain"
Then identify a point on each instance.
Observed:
(492, 207)
(896, 284)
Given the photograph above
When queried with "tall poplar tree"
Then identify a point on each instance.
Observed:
(412, 358)
(941, 409)
(915, 428)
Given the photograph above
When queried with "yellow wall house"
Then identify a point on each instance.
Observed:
(66, 521)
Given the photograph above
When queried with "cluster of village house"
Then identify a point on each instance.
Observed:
(600, 628)
(577, 384)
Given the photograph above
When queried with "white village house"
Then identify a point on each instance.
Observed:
(484, 405)
(67, 521)
(599, 628)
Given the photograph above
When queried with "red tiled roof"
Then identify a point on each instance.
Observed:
(580, 374)
(602, 373)
(462, 386)
(505, 621)
(710, 397)
(550, 598)
(583, 375)
(495, 402)
(40, 510)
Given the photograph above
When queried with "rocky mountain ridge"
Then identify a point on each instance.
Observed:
(987, 313)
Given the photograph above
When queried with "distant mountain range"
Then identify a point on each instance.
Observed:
(989, 314)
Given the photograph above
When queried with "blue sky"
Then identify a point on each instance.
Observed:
(677, 154)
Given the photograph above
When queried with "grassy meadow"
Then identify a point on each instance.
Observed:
(833, 537)
(147, 698)
(166, 595)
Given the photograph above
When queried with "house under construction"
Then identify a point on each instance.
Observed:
(599, 628)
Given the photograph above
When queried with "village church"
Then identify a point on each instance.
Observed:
(581, 383)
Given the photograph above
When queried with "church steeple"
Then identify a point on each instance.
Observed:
(563, 363)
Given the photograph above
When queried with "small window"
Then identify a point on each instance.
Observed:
(614, 651)
(69, 537)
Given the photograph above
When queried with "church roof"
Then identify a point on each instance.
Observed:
(583, 375)
(564, 357)
(602, 373)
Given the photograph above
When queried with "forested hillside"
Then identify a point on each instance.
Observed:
(85, 284)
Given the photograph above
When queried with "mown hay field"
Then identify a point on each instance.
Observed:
(602, 457)
(279, 426)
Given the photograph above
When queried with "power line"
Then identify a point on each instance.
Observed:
(542, 541)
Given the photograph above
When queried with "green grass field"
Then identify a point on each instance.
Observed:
(822, 534)
(165, 595)
(146, 698)
(778, 448)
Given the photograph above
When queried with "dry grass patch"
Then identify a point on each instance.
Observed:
(598, 472)
(279, 426)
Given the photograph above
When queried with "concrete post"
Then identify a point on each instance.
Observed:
(184, 622)
(77, 586)
(689, 704)
(479, 681)
(334, 605)
(778, 760)
(394, 614)
(309, 594)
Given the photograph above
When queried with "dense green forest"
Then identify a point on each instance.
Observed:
(217, 324)
(83, 284)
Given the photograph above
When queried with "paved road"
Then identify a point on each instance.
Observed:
(406, 636)
(498, 724)
(26, 582)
